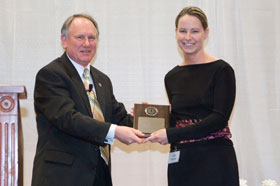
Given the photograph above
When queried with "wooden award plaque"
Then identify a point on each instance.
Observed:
(150, 118)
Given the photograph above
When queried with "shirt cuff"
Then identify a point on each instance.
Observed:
(110, 135)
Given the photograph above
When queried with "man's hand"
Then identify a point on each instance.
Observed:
(132, 109)
(128, 135)
(159, 136)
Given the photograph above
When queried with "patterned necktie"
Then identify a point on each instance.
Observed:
(96, 111)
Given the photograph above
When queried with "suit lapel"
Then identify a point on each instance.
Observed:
(77, 82)
(99, 88)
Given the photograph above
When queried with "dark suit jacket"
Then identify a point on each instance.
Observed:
(69, 138)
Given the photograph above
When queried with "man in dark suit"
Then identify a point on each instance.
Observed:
(69, 138)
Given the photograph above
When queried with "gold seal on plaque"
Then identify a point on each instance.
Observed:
(151, 111)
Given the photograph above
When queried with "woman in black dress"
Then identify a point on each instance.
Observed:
(201, 91)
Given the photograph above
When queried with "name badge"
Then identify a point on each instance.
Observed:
(174, 157)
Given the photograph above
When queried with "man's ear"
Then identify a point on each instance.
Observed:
(63, 39)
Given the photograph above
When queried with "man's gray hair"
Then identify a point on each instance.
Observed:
(68, 21)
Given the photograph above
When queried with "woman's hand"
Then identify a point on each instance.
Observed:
(159, 136)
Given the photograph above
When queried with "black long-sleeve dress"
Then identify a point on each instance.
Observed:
(202, 97)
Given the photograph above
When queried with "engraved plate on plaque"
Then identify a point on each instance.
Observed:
(150, 118)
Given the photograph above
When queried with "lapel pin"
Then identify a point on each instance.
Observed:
(99, 84)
